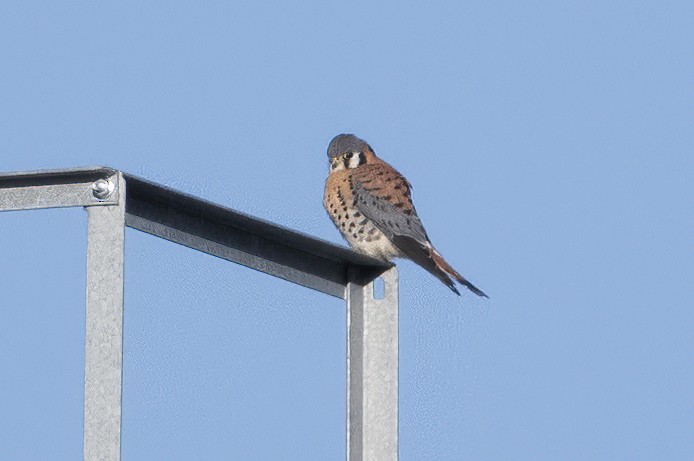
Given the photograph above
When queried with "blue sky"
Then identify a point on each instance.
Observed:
(550, 148)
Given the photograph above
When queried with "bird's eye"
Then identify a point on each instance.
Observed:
(348, 155)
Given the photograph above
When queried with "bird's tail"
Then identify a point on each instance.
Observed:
(444, 270)
(426, 256)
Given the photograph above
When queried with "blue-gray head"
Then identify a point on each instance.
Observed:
(348, 151)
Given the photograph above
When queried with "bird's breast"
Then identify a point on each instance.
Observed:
(359, 231)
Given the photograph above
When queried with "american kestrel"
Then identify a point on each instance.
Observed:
(371, 205)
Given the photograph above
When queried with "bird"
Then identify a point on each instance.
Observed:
(370, 203)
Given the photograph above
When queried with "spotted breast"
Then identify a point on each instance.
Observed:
(359, 231)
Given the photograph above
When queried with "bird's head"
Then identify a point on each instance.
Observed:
(347, 151)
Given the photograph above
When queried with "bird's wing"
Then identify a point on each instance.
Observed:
(383, 196)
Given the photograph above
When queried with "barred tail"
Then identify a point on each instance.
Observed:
(426, 256)
(443, 266)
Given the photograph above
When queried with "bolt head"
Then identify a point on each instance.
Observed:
(102, 189)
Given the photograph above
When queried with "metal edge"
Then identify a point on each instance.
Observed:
(200, 207)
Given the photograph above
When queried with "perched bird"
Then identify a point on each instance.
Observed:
(371, 205)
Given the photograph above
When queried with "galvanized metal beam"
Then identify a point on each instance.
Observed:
(195, 223)
(103, 372)
(55, 189)
(372, 376)
(243, 239)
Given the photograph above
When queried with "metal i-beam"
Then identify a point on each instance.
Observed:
(244, 239)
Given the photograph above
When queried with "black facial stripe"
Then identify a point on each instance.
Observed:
(347, 160)
(362, 158)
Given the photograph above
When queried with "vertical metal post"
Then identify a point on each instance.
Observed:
(372, 377)
(103, 370)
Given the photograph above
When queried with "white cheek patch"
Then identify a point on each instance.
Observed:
(337, 166)
(355, 160)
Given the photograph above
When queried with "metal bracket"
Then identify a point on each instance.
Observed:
(58, 188)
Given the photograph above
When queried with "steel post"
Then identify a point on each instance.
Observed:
(372, 377)
(103, 371)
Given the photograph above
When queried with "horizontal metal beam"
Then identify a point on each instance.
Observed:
(328, 282)
(195, 223)
(243, 239)
(56, 188)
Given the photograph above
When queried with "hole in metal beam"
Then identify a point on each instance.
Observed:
(379, 288)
